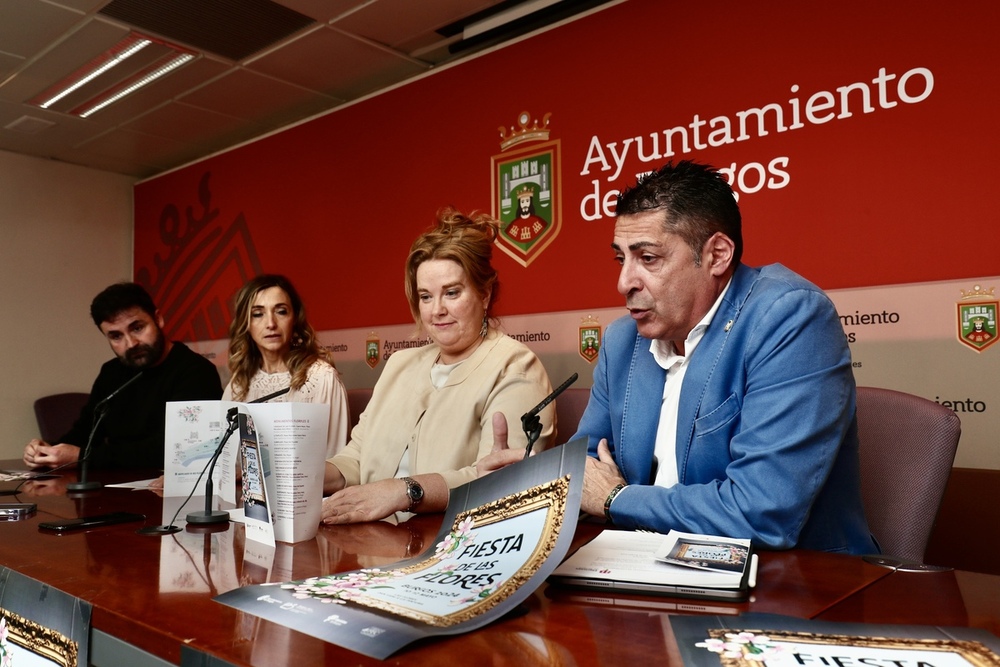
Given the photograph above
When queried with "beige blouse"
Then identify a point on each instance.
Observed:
(322, 385)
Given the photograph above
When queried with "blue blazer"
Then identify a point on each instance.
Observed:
(767, 441)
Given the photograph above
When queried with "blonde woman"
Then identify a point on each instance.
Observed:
(429, 419)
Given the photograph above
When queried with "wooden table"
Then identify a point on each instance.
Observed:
(951, 598)
(155, 593)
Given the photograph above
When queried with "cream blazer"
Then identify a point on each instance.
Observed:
(448, 429)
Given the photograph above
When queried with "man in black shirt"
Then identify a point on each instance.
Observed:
(130, 435)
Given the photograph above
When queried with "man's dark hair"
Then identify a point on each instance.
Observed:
(696, 199)
(120, 297)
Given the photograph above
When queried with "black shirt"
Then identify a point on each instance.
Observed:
(131, 433)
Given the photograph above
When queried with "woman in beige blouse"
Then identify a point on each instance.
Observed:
(431, 414)
(272, 346)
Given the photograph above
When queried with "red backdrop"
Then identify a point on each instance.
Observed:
(898, 194)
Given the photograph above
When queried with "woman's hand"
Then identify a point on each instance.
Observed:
(500, 456)
(366, 502)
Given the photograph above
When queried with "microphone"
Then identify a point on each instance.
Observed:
(101, 409)
(530, 422)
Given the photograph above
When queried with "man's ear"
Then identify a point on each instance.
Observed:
(158, 318)
(718, 253)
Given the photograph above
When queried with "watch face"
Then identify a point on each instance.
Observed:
(414, 491)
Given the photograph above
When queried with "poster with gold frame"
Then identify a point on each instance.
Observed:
(501, 536)
(41, 626)
(770, 640)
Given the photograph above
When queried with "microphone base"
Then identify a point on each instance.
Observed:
(207, 528)
(202, 518)
(159, 530)
(77, 487)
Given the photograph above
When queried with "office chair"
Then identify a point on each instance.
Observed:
(357, 401)
(569, 409)
(56, 413)
(908, 446)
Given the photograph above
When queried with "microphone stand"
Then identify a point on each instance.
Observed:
(83, 484)
(210, 516)
(100, 410)
(531, 424)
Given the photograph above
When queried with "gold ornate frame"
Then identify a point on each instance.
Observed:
(550, 496)
(42, 641)
(973, 652)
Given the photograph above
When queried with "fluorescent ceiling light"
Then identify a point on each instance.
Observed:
(89, 73)
(112, 75)
(131, 85)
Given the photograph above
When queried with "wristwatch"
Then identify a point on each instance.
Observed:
(414, 492)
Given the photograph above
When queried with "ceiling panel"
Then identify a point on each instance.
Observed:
(182, 122)
(327, 10)
(64, 130)
(127, 146)
(28, 27)
(245, 94)
(337, 64)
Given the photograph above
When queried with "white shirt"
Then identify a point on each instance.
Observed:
(676, 365)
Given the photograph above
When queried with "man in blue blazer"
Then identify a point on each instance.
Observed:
(725, 402)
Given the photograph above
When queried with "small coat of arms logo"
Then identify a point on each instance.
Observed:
(372, 344)
(527, 186)
(590, 338)
(977, 318)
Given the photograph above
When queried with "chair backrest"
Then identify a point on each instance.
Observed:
(569, 409)
(357, 401)
(56, 413)
(908, 446)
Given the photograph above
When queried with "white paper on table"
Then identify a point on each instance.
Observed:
(191, 435)
(136, 485)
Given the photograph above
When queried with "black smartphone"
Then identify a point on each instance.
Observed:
(64, 525)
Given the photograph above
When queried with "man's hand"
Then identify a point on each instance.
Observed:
(500, 456)
(601, 476)
(40, 454)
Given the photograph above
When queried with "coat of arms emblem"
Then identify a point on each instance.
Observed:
(977, 318)
(527, 188)
(371, 349)
(590, 338)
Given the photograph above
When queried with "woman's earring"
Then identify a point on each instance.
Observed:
(486, 326)
(296, 341)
